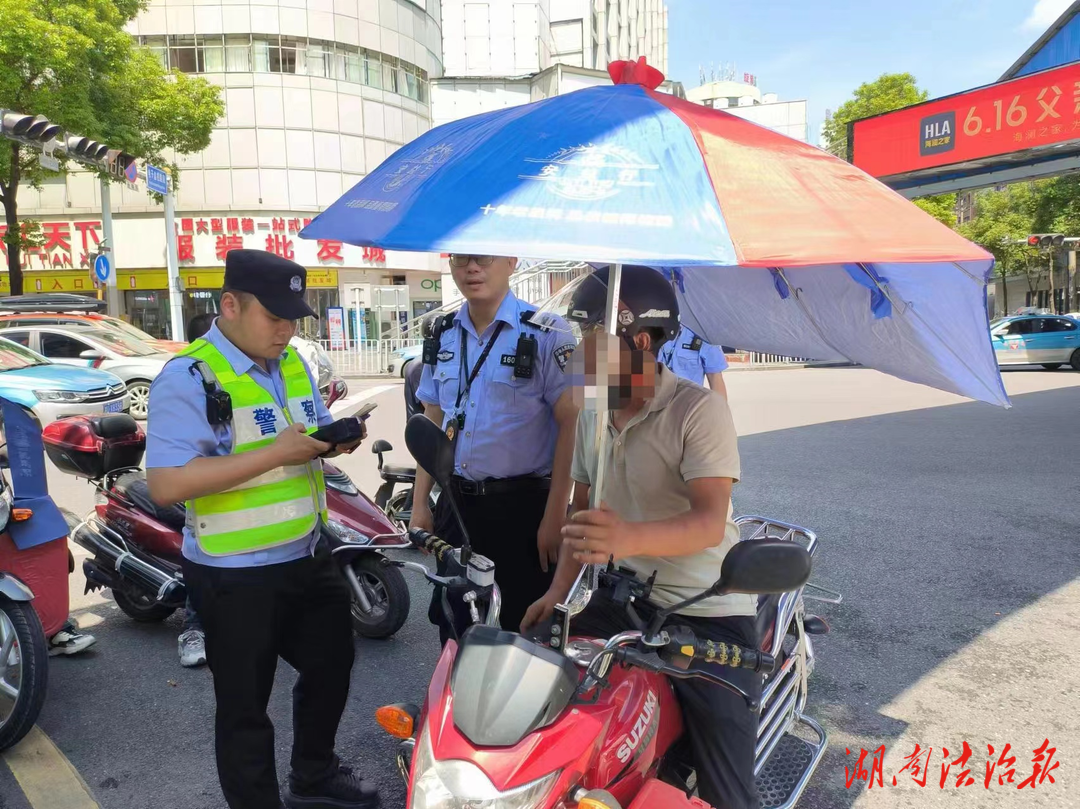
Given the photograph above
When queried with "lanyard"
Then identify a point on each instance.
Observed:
(479, 363)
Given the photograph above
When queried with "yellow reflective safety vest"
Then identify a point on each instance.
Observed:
(282, 505)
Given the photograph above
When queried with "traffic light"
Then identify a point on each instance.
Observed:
(27, 128)
(85, 149)
(1046, 240)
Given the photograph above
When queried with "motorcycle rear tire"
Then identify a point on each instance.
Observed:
(385, 583)
(34, 673)
(141, 609)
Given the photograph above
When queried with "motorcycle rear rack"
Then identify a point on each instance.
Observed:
(791, 765)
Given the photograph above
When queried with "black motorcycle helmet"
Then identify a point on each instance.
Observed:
(646, 301)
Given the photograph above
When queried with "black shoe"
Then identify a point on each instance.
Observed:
(342, 790)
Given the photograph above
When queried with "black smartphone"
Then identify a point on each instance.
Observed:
(342, 431)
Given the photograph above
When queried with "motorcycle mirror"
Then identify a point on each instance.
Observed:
(763, 566)
(431, 448)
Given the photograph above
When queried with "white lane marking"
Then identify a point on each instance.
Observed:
(347, 405)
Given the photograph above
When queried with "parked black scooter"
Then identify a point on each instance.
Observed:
(397, 506)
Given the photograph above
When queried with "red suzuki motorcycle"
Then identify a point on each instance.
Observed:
(552, 722)
(136, 543)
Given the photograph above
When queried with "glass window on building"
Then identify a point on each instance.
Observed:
(389, 74)
(211, 54)
(318, 61)
(238, 54)
(182, 54)
(261, 53)
(159, 47)
(371, 70)
(148, 310)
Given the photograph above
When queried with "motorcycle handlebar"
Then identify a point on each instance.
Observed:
(729, 654)
(427, 541)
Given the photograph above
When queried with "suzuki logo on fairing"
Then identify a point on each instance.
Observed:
(631, 742)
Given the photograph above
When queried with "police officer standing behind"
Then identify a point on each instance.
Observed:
(493, 380)
(228, 424)
(692, 358)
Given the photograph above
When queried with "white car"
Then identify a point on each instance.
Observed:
(134, 361)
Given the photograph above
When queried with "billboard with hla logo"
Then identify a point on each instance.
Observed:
(1003, 121)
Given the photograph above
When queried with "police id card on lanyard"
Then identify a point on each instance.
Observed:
(457, 421)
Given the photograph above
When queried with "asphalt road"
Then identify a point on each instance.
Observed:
(950, 527)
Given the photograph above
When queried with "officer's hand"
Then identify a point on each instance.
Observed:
(294, 446)
(539, 611)
(421, 517)
(345, 449)
(549, 539)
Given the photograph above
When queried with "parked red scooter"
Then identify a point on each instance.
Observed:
(551, 722)
(136, 543)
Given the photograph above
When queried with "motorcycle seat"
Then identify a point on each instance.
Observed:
(398, 474)
(767, 609)
(132, 485)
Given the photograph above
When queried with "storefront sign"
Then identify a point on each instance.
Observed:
(431, 285)
(335, 321)
(76, 281)
(57, 250)
(1014, 116)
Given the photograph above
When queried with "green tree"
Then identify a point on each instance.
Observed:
(942, 207)
(1002, 221)
(72, 61)
(888, 92)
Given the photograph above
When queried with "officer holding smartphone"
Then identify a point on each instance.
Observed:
(229, 435)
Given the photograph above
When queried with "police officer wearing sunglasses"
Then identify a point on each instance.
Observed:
(493, 380)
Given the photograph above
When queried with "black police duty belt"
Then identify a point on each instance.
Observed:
(515, 485)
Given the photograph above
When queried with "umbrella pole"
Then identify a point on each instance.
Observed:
(603, 419)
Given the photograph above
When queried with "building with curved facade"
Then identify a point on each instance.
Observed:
(317, 93)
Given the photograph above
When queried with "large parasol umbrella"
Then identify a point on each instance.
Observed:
(774, 245)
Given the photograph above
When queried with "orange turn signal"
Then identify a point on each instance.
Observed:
(21, 514)
(397, 720)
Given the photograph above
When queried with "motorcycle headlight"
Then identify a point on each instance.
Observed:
(348, 534)
(462, 785)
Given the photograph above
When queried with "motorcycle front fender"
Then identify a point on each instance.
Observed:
(12, 589)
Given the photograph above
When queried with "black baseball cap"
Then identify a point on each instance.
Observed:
(277, 283)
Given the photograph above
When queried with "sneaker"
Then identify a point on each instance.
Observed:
(192, 647)
(70, 641)
(343, 790)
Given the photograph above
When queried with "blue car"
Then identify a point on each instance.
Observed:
(1047, 340)
(51, 391)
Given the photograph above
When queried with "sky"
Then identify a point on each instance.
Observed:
(822, 50)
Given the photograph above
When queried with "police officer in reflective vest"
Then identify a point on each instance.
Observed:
(692, 358)
(228, 436)
(493, 380)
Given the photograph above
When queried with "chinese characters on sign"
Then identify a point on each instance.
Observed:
(953, 770)
(56, 250)
(1031, 111)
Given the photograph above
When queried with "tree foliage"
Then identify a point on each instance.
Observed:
(888, 92)
(942, 207)
(73, 62)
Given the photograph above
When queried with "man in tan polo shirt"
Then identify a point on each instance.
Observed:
(672, 459)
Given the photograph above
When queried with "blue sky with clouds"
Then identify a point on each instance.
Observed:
(821, 50)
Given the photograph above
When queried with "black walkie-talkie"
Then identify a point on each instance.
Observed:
(218, 402)
(525, 356)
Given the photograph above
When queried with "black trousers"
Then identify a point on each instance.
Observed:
(298, 611)
(502, 527)
(722, 731)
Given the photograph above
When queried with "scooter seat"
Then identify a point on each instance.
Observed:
(767, 608)
(132, 485)
(398, 474)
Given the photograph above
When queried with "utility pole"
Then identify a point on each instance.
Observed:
(112, 291)
(176, 287)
